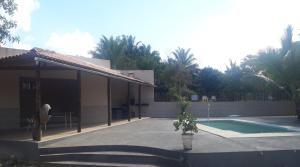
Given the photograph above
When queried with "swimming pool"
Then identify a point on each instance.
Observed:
(244, 127)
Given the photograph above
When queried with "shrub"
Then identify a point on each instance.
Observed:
(187, 123)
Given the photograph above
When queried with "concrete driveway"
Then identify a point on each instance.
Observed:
(148, 142)
(154, 140)
(157, 133)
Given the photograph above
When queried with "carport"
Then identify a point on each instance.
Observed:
(37, 66)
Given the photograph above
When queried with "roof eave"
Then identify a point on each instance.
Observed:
(45, 60)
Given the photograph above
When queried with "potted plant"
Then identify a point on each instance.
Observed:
(188, 124)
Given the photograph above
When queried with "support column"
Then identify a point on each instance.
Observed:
(79, 114)
(139, 101)
(108, 102)
(128, 101)
(37, 132)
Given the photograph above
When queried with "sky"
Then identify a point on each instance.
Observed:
(216, 31)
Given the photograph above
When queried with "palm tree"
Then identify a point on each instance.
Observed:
(280, 66)
(178, 72)
(287, 40)
(184, 59)
(233, 85)
(125, 53)
(146, 58)
(110, 49)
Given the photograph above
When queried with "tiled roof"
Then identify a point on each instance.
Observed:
(75, 62)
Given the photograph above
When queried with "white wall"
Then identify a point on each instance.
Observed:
(9, 98)
(144, 75)
(100, 62)
(120, 88)
(118, 92)
(93, 99)
(223, 109)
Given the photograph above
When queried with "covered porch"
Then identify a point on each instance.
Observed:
(82, 94)
(55, 134)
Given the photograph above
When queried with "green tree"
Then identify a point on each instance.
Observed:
(125, 53)
(184, 59)
(7, 24)
(280, 66)
(208, 81)
(232, 81)
(110, 49)
(178, 72)
(147, 59)
(287, 40)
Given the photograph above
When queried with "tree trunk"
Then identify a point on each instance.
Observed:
(298, 110)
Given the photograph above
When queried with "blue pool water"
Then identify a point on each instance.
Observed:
(244, 127)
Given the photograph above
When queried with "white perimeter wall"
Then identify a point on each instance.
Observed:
(223, 109)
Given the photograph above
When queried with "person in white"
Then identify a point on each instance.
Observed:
(44, 114)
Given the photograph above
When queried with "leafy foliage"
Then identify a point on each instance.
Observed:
(183, 103)
(187, 123)
(178, 72)
(7, 8)
(125, 53)
(208, 81)
(279, 66)
(271, 73)
(184, 59)
(287, 40)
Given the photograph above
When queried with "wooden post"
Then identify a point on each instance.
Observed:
(66, 120)
(37, 133)
(70, 119)
(128, 101)
(139, 101)
(79, 101)
(108, 102)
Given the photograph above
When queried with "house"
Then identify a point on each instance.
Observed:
(81, 91)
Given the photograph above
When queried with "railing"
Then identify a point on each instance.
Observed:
(257, 96)
(65, 118)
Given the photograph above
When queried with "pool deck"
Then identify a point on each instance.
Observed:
(208, 148)
(160, 133)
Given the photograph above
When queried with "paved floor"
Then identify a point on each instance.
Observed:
(159, 133)
(57, 131)
(150, 142)
(153, 142)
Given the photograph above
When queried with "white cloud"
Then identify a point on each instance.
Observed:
(21, 45)
(73, 43)
(250, 26)
(25, 43)
(23, 13)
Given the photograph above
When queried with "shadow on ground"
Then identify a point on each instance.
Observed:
(101, 155)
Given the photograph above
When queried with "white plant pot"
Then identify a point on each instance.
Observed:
(187, 140)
